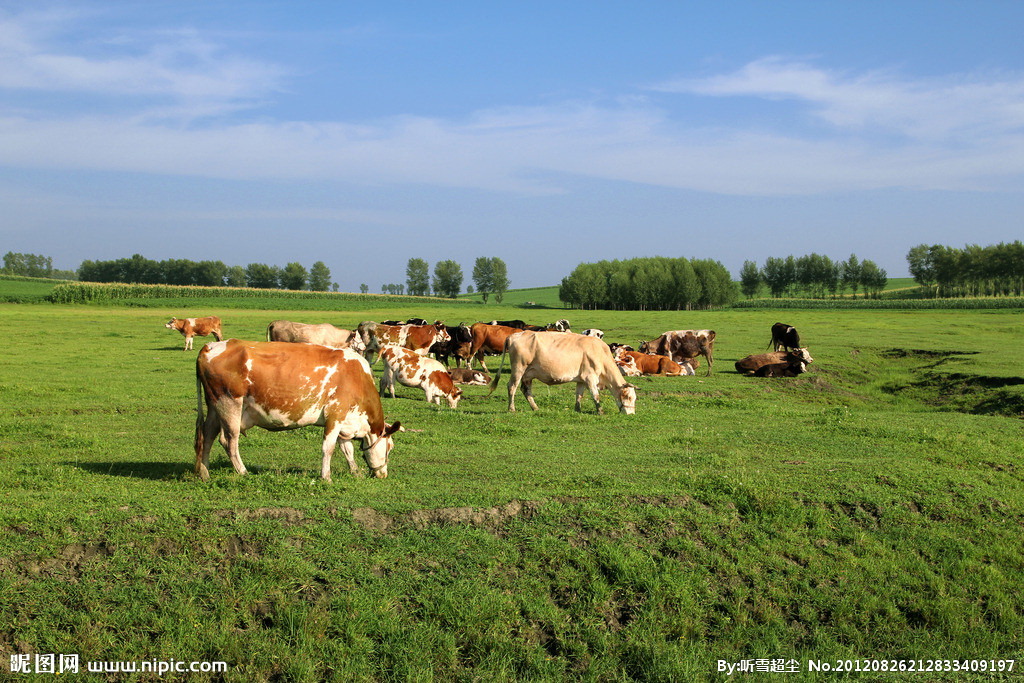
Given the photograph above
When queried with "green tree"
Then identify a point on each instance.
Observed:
(499, 279)
(750, 279)
(262, 276)
(294, 276)
(319, 277)
(776, 276)
(483, 276)
(851, 274)
(921, 265)
(363, 288)
(872, 278)
(447, 279)
(236, 277)
(417, 277)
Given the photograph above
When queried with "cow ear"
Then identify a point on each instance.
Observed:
(396, 427)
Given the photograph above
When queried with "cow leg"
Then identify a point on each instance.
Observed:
(581, 388)
(231, 425)
(387, 381)
(188, 344)
(513, 386)
(528, 393)
(350, 455)
(211, 428)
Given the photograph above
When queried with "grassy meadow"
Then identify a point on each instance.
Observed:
(869, 509)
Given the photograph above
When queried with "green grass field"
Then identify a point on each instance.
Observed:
(870, 509)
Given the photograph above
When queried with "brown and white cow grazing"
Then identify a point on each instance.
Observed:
(413, 370)
(752, 363)
(561, 357)
(469, 376)
(784, 337)
(488, 338)
(278, 386)
(652, 364)
(680, 345)
(196, 327)
(323, 334)
(417, 338)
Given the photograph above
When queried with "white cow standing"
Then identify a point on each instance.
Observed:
(559, 358)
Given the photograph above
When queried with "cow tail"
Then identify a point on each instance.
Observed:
(494, 382)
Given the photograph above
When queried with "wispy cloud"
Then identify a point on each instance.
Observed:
(874, 130)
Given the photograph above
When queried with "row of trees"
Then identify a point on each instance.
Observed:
(33, 265)
(657, 283)
(207, 273)
(972, 271)
(490, 275)
(814, 276)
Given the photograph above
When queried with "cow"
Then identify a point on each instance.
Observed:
(418, 338)
(785, 369)
(196, 327)
(518, 324)
(278, 386)
(784, 337)
(627, 366)
(488, 338)
(615, 346)
(560, 357)
(560, 326)
(469, 376)
(323, 334)
(681, 345)
(413, 370)
(651, 364)
(410, 321)
(750, 364)
(459, 344)
(593, 332)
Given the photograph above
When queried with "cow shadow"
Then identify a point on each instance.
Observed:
(155, 471)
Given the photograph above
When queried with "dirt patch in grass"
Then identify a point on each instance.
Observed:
(68, 565)
(288, 516)
(489, 518)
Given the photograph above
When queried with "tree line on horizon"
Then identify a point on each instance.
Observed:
(141, 270)
(653, 283)
(995, 270)
(33, 265)
(813, 276)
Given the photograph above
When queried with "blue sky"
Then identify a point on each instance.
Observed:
(548, 134)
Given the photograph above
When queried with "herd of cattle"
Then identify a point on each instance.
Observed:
(321, 375)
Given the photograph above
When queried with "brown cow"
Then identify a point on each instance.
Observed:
(414, 370)
(196, 327)
(787, 369)
(560, 357)
(277, 386)
(323, 334)
(680, 345)
(416, 338)
(488, 339)
(652, 364)
(750, 364)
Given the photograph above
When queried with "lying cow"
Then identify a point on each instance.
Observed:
(785, 369)
(413, 370)
(469, 376)
(560, 357)
(196, 327)
(593, 332)
(752, 363)
(323, 334)
(784, 337)
(276, 386)
(682, 345)
(651, 364)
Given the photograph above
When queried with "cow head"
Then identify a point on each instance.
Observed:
(377, 448)
(175, 324)
(801, 355)
(644, 347)
(627, 399)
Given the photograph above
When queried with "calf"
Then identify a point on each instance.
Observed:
(196, 327)
(651, 364)
(784, 337)
(681, 345)
(469, 376)
(413, 370)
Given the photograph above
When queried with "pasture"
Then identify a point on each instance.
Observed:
(869, 509)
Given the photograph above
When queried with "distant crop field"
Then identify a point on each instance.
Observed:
(869, 509)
